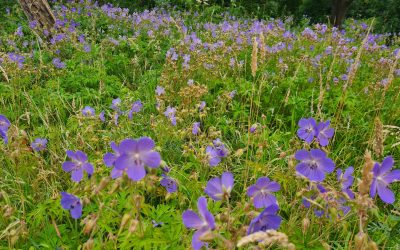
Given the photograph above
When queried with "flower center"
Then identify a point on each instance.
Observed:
(313, 165)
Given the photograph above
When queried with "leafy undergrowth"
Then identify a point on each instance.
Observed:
(219, 103)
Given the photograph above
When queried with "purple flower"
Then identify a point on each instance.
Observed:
(169, 184)
(190, 82)
(267, 219)
(253, 128)
(115, 104)
(72, 203)
(87, 48)
(39, 144)
(88, 111)
(58, 63)
(216, 152)
(78, 164)
(324, 133)
(346, 180)
(170, 114)
(313, 164)
(196, 128)
(135, 155)
(262, 192)
(219, 188)
(19, 32)
(204, 222)
(307, 129)
(202, 105)
(383, 177)
(136, 108)
(101, 116)
(232, 94)
(160, 90)
(4, 125)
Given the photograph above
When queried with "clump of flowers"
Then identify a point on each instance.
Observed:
(203, 222)
(72, 203)
(78, 165)
(216, 152)
(168, 182)
(346, 180)
(39, 144)
(309, 130)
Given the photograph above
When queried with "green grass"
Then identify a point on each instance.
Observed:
(43, 101)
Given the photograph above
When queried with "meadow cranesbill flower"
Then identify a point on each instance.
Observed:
(382, 178)
(136, 108)
(262, 192)
(135, 155)
(72, 203)
(324, 133)
(4, 125)
(253, 128)
(58, 63)
(202, 105)
(169, 183)
(170, 114)
(307, 130)
(39, 144)
(78, 164)
(196, 128)
(216, 152)
(115, 104)
(267, 219)
(313, 164)
(102, 117)
(202, 222)
(219, 188)
(88, 111)
(160, 90)
(346, 180)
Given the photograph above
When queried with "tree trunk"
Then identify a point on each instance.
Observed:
(338, 11)
(40, 11)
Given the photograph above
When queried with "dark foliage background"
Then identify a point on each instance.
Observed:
(385, 12)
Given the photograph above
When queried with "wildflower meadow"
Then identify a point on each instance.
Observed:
(173, 129)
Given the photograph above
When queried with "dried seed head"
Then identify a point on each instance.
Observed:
(366, 178)
(305, 224)
(124, 220)
(360, 241)
(254, 56)
(378, 137)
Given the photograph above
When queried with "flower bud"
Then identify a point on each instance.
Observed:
(359, 240)
(103, 183)
(133, 226)
(88, 244)
(207, 236)
(124, 220)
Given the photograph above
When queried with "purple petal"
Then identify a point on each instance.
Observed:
(88, 168)
(214, 188)
(372, 189)
(214, 161)
(136, 172)
(262, 182)
(109, 159)
(71, 154)
(227, 181)
(197, 244)
(81, 156)
(202, 207)
(191, 220)
(327, 165)
(145, 144)
(273, 186)
(128, 146)
(264, 200)
(385, 193)
(151, 158)
(317, 154)
(77, 175)
(68, 166)
(76, 212)
(386, 165)
(302, 155)
(392, 176)
(116, 173)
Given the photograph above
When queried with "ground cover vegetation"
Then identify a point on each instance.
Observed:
(171, 129)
